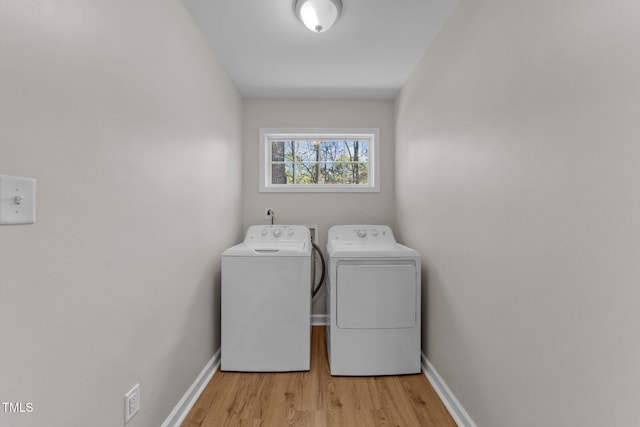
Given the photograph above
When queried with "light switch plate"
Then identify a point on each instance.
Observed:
(17, 200)
(131, 403)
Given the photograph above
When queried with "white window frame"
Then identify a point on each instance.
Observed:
(269, 134)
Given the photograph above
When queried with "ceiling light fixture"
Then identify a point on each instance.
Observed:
(318, 15)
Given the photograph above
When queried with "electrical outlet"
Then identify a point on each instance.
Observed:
(268, 214)
(131, 403)
(313, 231)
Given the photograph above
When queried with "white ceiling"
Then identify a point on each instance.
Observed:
(369, 52)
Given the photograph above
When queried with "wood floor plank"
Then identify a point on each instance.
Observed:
(316, 399)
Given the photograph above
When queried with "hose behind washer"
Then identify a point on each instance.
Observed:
(317, 287)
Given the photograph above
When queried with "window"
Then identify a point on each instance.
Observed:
(325, 160)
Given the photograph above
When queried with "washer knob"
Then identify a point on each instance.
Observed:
(374, 232)
(264, 231)
(277, 232)
(290, 232)
(362, 233)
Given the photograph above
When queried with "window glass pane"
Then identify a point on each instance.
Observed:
(305, 173)
(363, 173)
(278, 173)
(307, 151)
(289, 150)
(277, 151)
(289, 170)
(350, 151)
(341, 171)
(331, 150)
(328, 173)
(282, 150)
(364, 151)
(350, 173)
(355, 173)
(356, 150)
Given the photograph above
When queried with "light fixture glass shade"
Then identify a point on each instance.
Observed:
(318, 15)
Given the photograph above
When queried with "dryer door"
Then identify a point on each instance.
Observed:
(376, 296)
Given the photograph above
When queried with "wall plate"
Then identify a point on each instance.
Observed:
(17, 200)
(131, 403)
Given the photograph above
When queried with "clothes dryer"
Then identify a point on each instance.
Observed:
(266, 301)
(373, 302)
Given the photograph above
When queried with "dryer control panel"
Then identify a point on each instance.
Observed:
(356, 233)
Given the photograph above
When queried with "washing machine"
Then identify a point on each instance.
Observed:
(373, 302)
(266, 301)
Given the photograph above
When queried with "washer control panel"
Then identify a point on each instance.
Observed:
(267, 233)
(369, 233)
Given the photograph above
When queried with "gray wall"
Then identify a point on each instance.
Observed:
(132, 130)
(322, 209)
(518, 180)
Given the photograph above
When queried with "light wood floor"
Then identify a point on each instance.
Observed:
(316, 399)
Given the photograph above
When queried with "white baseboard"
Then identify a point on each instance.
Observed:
(319, 319)
(452, 404)
(181, 410)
